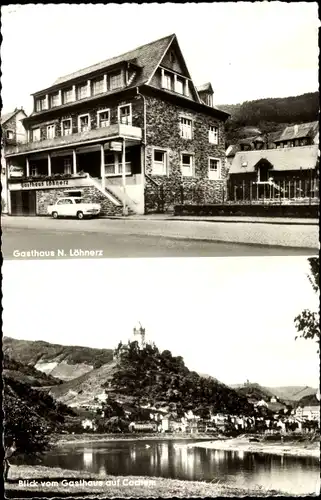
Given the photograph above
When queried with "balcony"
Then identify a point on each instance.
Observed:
(94, 135)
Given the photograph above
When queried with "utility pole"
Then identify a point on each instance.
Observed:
(124, 177)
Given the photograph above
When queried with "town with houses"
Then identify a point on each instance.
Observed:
(270, 415)
(136, 135)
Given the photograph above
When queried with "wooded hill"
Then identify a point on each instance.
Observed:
(27, 374)
(60, 361)
(157, 377)
(269, 115)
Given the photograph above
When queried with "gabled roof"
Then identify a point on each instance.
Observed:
(282, 159)
(250, 140)
(299, 131)
(147, 56)
(206, 87)
(7, 116)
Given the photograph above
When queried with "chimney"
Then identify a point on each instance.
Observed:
(296, 129)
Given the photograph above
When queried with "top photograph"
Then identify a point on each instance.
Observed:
(127, 133)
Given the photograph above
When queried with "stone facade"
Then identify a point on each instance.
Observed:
(107, 102)
(90, 194)
(163, 132)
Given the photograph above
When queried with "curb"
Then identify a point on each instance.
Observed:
(286, 223)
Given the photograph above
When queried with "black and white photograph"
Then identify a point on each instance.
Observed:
(129, 133)
(160, 242)
(194, 377)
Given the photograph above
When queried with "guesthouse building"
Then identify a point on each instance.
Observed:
(133, 133)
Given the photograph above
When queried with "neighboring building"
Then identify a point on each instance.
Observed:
(261, 403)
(303, 134)
(143, 426)
(273, 399)
(128, 133)
(12, 133)
(88, 424)
(284, 173)
(308, 412)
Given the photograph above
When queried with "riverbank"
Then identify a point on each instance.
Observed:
(60, 439)
(38, 481)
(293, 448)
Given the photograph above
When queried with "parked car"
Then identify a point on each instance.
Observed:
(73, 207)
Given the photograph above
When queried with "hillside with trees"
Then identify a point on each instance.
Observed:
(155, 377)
(61, 361)
(27, 374)
(269, 115)
(30, 417)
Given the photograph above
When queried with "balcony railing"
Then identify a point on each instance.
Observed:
(112, 131)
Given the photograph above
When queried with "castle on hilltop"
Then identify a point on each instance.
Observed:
(138, 335)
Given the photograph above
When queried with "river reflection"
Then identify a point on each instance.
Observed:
(175, 459)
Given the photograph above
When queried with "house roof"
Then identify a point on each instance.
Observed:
(7, 116)
(147, 56)
(298, 131)
(206, 87)
(232, 150)
(283, 159)
(250, 140)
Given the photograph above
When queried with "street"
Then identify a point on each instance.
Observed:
(44, 237)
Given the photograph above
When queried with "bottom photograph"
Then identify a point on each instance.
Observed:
(161, 377)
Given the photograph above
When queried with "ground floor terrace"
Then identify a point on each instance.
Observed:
(109, 173)
(121, 173)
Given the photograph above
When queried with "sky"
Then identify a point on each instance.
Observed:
(246, 50)
(231, 318)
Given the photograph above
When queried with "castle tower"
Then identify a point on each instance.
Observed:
(139, 335)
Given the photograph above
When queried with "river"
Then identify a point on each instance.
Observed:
(173, 459)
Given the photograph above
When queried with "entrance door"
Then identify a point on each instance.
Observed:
(23, 202)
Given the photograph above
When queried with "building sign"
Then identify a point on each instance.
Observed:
(114, 146)
(49, 184)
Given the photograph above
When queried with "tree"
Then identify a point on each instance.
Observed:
(307, 323)
(25, 431)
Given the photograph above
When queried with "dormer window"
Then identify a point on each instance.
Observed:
(98, 86)
(54, 100)
(41, 104)
(82, 91)
(115, 80)
(68, 95)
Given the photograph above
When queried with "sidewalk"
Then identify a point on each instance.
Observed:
(225, 219)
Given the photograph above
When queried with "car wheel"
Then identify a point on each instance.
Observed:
(80, 215)
(55, 215)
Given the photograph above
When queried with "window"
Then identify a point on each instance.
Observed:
(34, 171)
(41, 104)
(67, 166)
(213, 135)
(113, 164)
(68, 96)
(187, 164)
(36, 134)
(83, 123)
(167, 81)
(82, 91)
(115, 81)
(98, 86)
(214, 168)
(54, 100)
(179, 86)
(103, 118)
(50, 131)
(186, 128)
(66, 127)
(125, 114)
(9, 134)
(159, 162)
